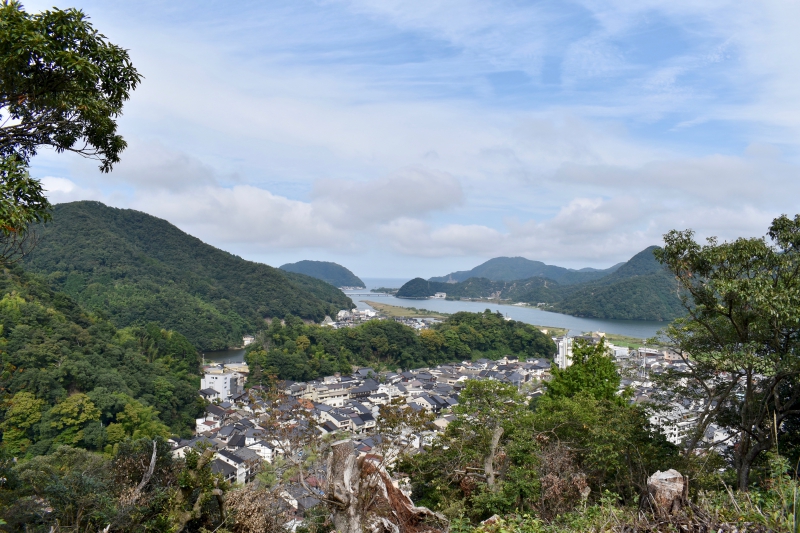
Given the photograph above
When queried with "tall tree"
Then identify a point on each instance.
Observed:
(741, 336)
(592, 372)
(62, 85)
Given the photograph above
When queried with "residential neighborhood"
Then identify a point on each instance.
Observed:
(240, 424)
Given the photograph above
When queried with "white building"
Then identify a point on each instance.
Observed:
(440, 295)
(564, 354)
(676, 424)
(227, 384)
(619, 352)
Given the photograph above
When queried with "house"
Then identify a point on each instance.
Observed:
(246, 464)
(266, 450)
(221, 467)
(210, 394)
(197, 444)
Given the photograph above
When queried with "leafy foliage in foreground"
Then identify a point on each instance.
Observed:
(300, 352)
(497, 457)
(62, 84)
(135, 269)
(72, 378)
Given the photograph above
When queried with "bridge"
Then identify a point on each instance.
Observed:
(376, 294)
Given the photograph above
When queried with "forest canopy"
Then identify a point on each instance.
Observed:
(136, 269)
(72, 378)
(297, 351)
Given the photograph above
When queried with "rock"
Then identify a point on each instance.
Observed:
(491, 520)
(667, 492)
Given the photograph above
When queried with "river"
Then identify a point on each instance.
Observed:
(641, 329)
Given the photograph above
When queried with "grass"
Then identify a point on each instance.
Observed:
(623, 340)
(551, 331)
(393, 311)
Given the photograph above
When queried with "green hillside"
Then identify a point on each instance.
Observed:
(303, 352)
(332, 273)
(517, 268)
(72, 378)
(639, 289)
(135, 269)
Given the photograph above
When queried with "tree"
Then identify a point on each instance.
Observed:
(62, 84)
(22, 202)
(480, 465)
(140, 421)
(592, 372)
(740, 338)
(69, 490)
(23, 412)
(71, 416)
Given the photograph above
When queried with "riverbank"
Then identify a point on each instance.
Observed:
(396, 311)
(637, 329)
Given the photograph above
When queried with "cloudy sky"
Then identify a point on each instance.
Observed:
(417, 137)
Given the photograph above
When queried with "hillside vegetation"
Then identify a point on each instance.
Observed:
(332, 273)
(135, 269)
(301, 352)
(517, 268)
(640, 289)
(69, 377)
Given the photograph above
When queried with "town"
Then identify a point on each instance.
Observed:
(240, 424)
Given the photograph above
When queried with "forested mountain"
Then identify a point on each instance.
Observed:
(332, 273)
(639, 289)
(536, 289)
(297, 351)
(135, 269)
(72, 378)
(515, 268)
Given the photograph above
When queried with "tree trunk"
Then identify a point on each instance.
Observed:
(667, 492)
(488, 462)
(363, 498)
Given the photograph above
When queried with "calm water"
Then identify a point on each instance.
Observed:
(224, 356)
(634, 328)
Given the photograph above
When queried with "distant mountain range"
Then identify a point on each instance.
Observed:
(514, 268)
(332, 273)
(639, 289)
(135, 268)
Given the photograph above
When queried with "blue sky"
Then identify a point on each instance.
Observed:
(420, 137)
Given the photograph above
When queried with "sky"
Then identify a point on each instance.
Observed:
(416, 138)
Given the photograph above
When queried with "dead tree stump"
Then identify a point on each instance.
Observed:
(364, 499)
(667, 492)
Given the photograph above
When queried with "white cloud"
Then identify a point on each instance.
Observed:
(295, 145)
(406, 193)
(59, 190)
